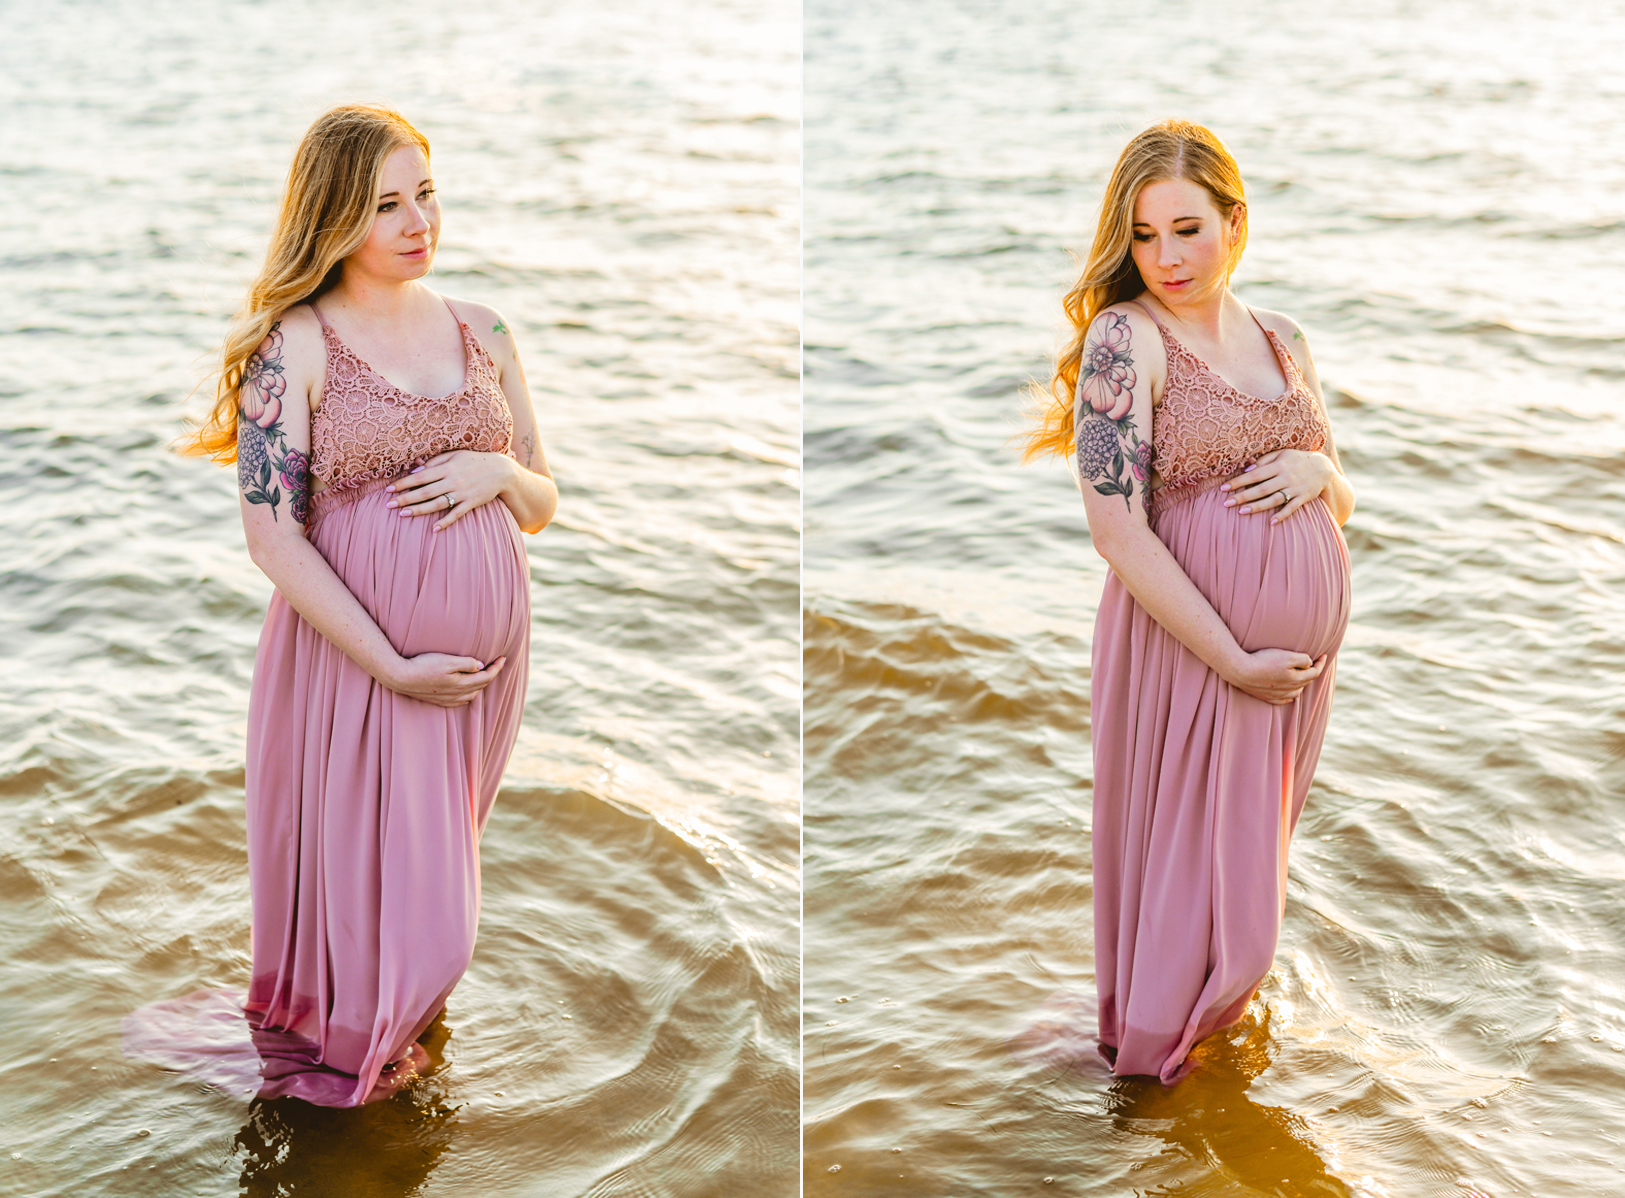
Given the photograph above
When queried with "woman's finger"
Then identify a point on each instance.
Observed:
(1257, 486)
(429, 505)
(454, 514)
(1286, 509)
(1262, 498)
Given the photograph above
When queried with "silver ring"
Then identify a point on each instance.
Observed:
(1286, 497)
(450, 502)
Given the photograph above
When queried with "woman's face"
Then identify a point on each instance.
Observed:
(406, 225)
(1181, 242)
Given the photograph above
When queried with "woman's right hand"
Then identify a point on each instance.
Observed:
(442, 679)
(1276, 676)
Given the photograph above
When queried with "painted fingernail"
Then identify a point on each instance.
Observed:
(392, 503)
(417, 469)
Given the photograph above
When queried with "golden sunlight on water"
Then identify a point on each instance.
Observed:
(622, 183)
(1443, 1018)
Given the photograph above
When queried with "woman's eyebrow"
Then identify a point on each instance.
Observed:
(385, 195)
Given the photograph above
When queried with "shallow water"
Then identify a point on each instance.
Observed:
(623, 185)
(1430, 199)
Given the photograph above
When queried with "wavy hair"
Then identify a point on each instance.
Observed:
(327, 211)
(1170, 149)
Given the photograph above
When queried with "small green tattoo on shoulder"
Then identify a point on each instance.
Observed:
(1297, 334)
(499, 327)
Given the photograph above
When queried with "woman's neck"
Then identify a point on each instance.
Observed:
(384, 300)
(1208, 318)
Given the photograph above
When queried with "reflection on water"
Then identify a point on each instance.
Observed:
(1442, 1017)
(621, 182)
(380, 1150)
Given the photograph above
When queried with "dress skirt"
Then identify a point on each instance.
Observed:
(1198, 786)
(365, 808)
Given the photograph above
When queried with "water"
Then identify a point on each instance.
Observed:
(1433, 199)
(622, 182)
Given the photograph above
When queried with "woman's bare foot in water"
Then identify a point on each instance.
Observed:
(397, 1073)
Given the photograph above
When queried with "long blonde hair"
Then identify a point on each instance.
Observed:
(1171, 149)
(327, 212)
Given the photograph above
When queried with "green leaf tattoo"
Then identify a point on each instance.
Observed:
(499, 327)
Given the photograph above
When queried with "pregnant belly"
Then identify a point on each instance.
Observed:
(1283, 586)
(464, 590)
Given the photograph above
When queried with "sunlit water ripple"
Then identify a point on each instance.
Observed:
(622, 183)
(1431, 199)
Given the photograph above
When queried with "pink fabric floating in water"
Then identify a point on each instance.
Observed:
(365, 810)
(1198, 786)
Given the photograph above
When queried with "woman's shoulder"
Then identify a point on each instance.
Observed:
(487, 325)
(1282, 325)
(296, 334)
(1127, 326)
(292, 351)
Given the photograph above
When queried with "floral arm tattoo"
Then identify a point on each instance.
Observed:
(264, 457)
(1111, 453)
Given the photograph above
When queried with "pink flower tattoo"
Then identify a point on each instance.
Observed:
(1106, 374)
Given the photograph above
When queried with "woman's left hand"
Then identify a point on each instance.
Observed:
(1280, 483)
(450, 485)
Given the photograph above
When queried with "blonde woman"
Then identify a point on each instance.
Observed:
(387, 459)
(1214, 492)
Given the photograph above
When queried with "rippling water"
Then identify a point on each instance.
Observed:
(622, 182)
(1435, 198)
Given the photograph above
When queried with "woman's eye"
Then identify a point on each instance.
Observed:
(425, 193)
(1190, 232)
(386, 207)
(1142, 237)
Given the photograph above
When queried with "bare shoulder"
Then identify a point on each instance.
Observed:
(1297, 343)
(285, 368)
(1126, 334)
(488, 325)
(1283, 326)
(292, 352)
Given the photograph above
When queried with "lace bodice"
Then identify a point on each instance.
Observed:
(1205, 430)
(368, 432)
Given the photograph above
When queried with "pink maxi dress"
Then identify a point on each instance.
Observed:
(365, 808)
(1198, 786)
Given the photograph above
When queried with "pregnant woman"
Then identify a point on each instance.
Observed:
(1214, 492)
(387, 457)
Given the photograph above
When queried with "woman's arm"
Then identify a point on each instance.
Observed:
(1303, 474)
(273, 477)
(470, 478)
(1112, 413)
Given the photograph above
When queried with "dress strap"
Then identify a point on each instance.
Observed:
(1153, 315)
(327, 327)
